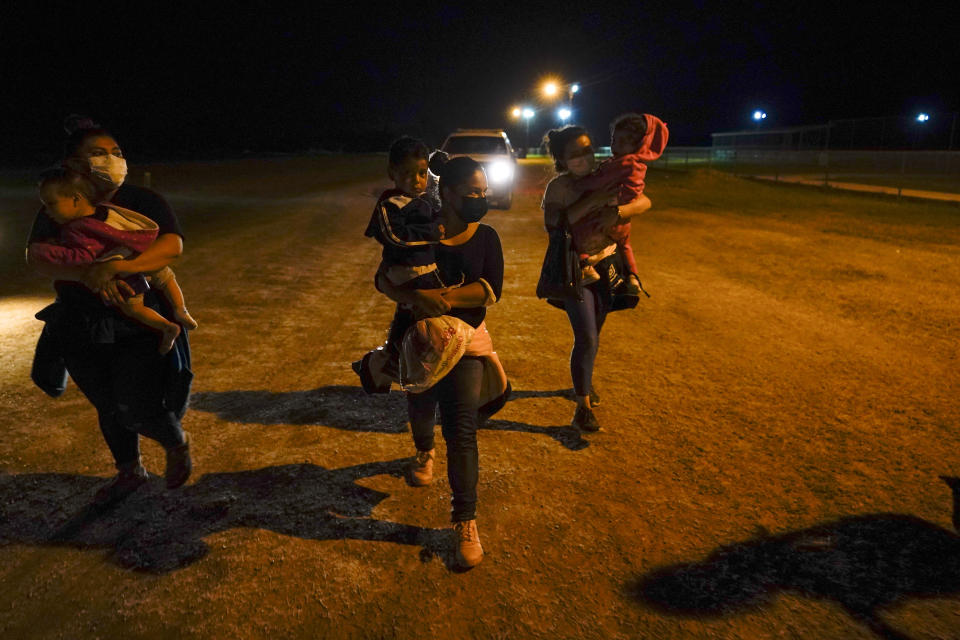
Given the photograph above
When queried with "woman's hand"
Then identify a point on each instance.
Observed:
(591, 201)
(99, 274)
(114, 292)
(429, 303)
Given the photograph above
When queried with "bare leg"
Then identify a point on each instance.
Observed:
(169, 331)
(171, 289)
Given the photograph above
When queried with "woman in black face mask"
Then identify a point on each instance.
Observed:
(470, 254)
(114, 361)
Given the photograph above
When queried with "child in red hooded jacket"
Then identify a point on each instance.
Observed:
(635, 139)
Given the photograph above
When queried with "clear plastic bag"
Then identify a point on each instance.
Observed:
(430, 349)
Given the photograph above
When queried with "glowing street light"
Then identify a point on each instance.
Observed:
(516, 112)
(923, 117)
(564, 114)
(550, 89)
(528, 113)
(574, 88)
(759, 116)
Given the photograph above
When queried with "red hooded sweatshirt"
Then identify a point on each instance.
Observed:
(628, 171)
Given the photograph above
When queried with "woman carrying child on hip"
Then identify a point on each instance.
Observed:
(472, 384)
(110, 355)
(598, 207)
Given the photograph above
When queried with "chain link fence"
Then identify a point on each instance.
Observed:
(897, 154)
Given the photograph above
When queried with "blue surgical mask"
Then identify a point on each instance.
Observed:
(473, 209)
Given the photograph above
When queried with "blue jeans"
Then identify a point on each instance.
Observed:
(586, 318)
(458, 395)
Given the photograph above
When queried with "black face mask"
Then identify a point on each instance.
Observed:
(473, 209)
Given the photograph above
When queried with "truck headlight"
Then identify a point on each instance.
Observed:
(500, 171)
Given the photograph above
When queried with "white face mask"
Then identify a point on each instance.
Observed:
(109, 168)
(581, 165)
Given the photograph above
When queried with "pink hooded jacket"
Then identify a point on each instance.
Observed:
(629, 170)
(87, 240)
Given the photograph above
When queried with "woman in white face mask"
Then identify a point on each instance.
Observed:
(113, 360)
(573, 155)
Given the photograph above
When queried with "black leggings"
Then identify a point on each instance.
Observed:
(124, 381)
(458, 394)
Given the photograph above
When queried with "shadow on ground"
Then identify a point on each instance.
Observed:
(349, 408)
(863, 563)
(336, 406)
(159, 531)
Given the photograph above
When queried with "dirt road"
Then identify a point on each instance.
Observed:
(775, 420)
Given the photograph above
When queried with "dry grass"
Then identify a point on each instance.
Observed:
(792, 377)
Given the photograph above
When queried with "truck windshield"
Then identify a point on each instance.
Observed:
(475, 145)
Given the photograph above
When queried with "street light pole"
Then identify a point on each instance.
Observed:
(527, 114)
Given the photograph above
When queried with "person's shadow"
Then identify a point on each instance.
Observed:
(863, 563)
(159, 531)
(349, 408)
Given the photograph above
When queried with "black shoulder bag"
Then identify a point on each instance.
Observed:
(560, 274)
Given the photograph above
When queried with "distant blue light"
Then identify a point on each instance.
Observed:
(759, 115)
(574, 88)
(528, 113)
(923, 117)
(564, 114)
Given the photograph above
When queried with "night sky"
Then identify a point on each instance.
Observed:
(178, 79)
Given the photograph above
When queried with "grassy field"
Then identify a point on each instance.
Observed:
(776, 421)
(946, 183)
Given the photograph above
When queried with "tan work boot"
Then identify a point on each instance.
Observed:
(420, 471)
(469, 551)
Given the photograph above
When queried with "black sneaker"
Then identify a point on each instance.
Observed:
(362, 369)
(179, 464)
(584, 420)
(594, 398)
(121, 486)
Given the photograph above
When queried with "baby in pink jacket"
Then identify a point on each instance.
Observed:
(96, 233)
